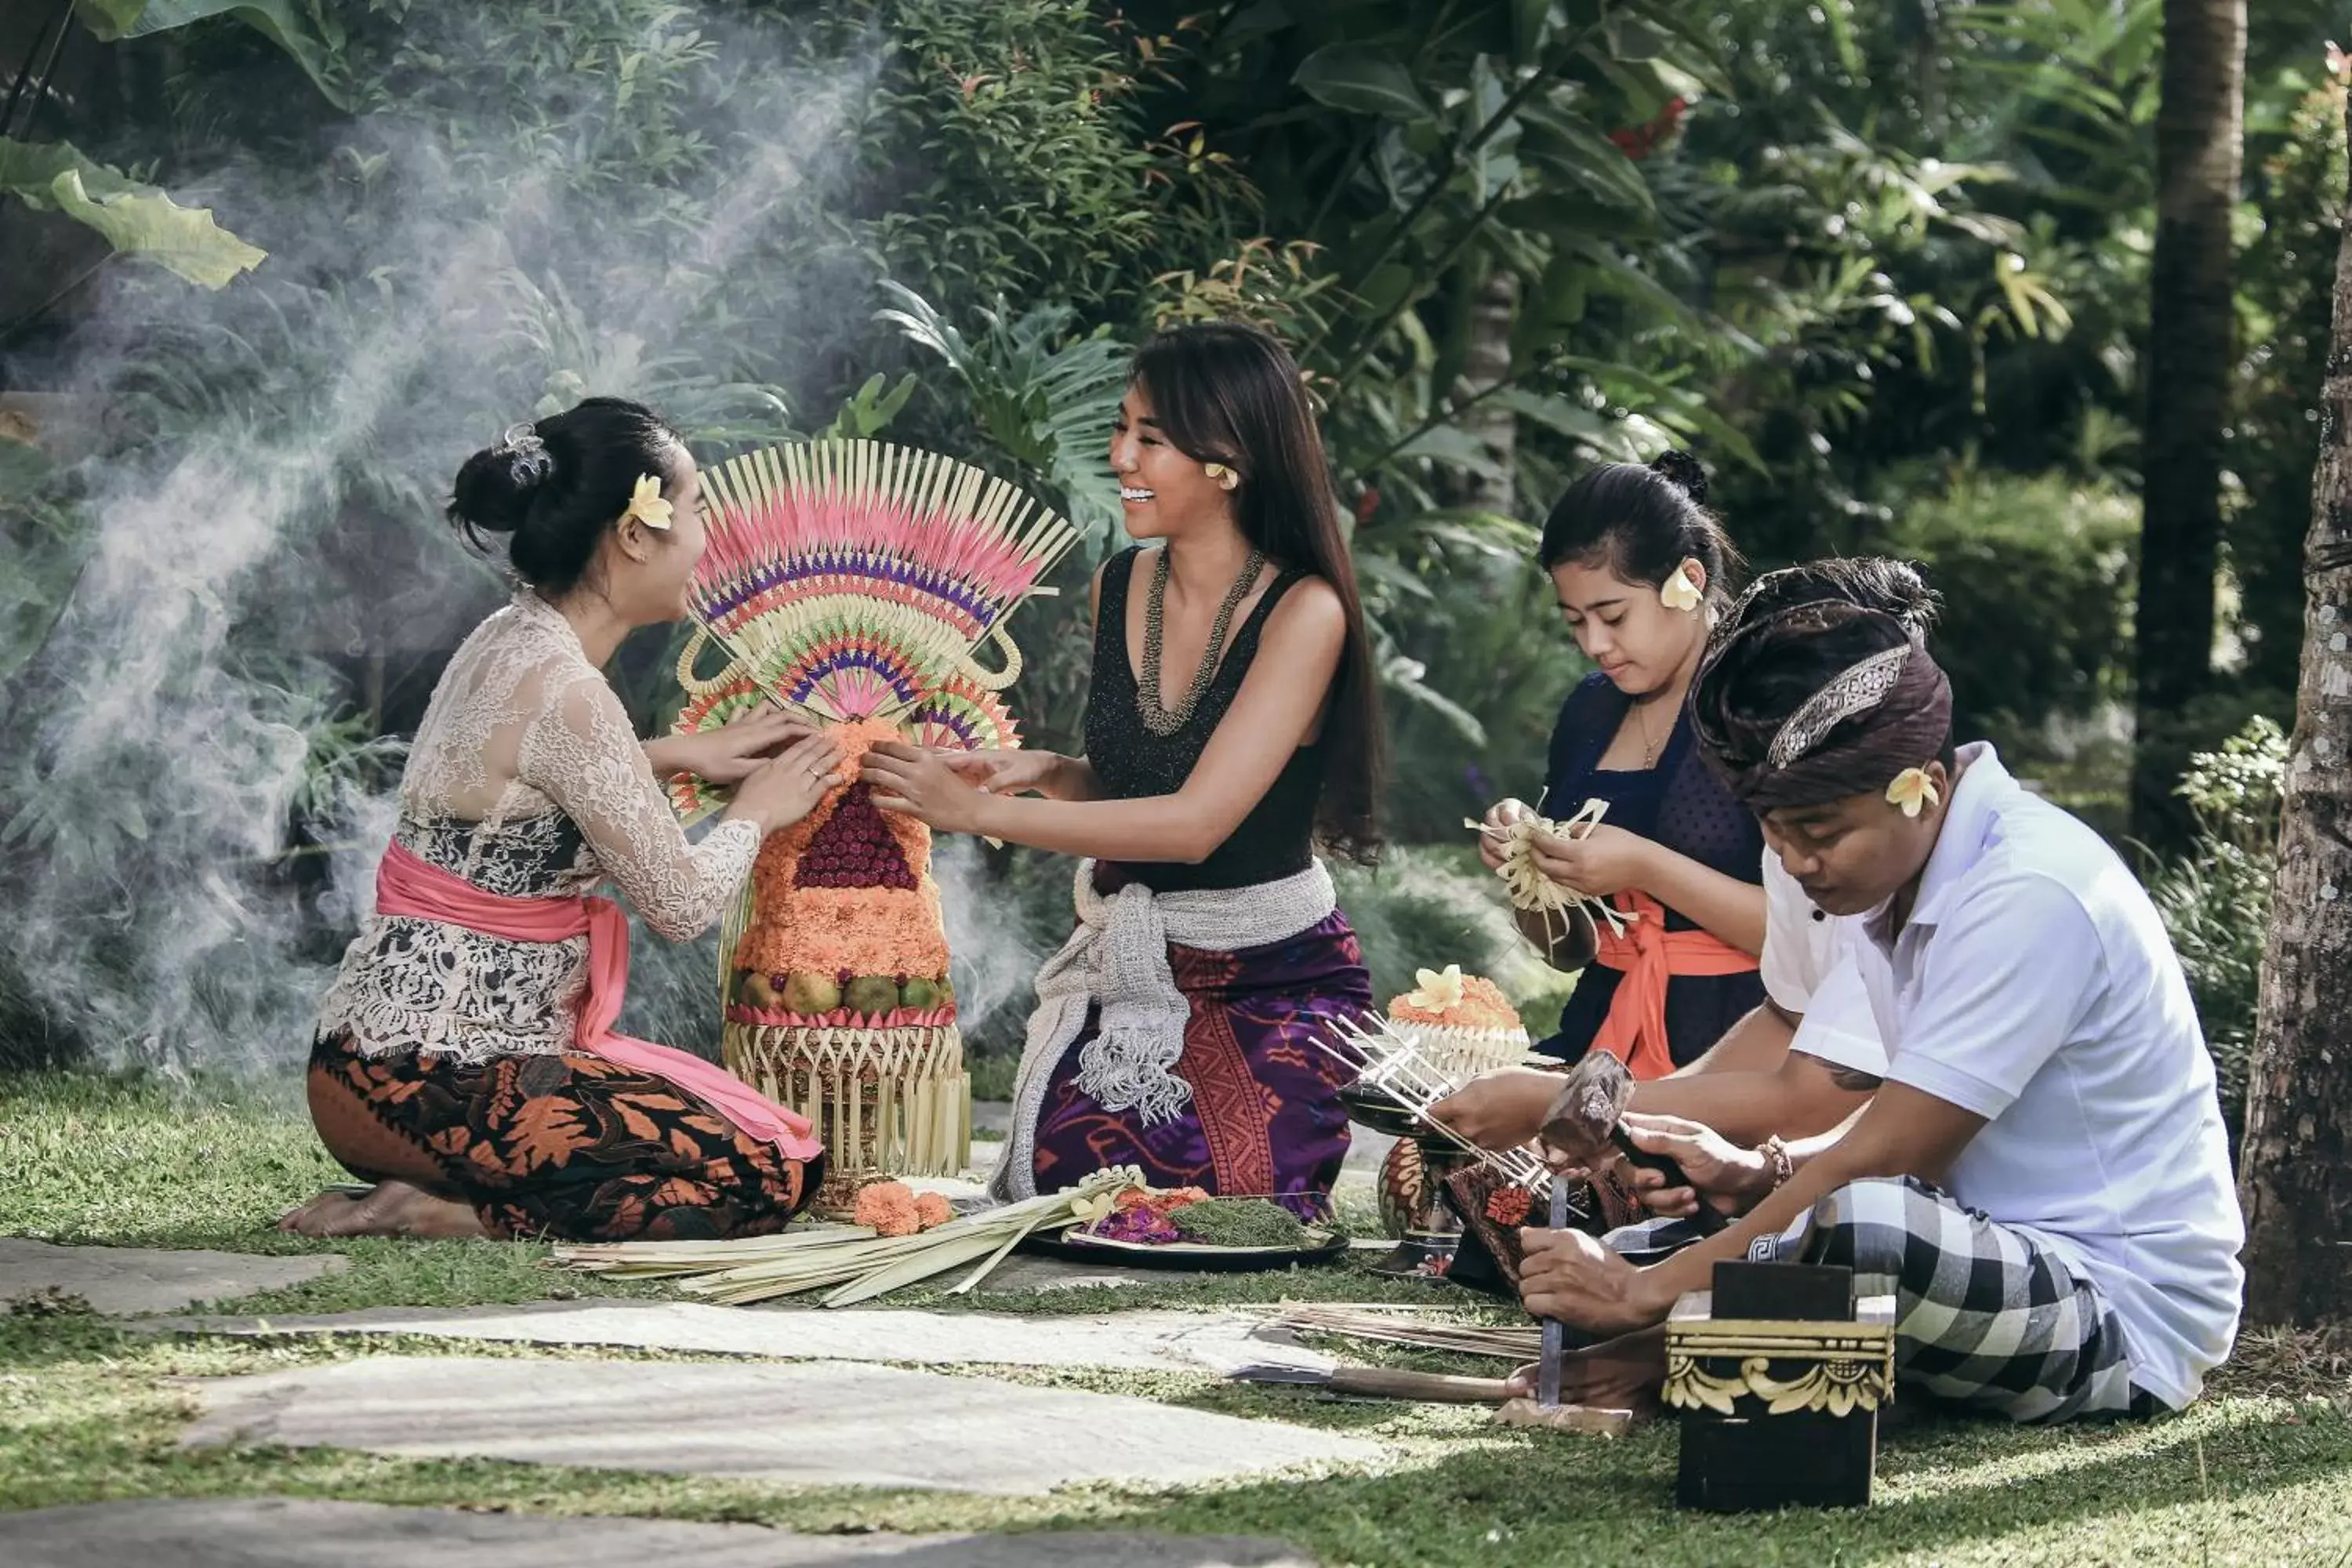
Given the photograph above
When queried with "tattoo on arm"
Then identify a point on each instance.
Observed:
(1853, 1080)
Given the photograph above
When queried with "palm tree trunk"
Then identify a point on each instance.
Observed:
(2191, 310)
(2298, 1140)
(1487, 363)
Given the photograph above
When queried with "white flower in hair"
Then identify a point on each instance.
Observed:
(1679, 592)
(1912, 790)
(647, 505)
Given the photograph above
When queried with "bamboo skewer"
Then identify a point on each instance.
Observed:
(1403, 1326)
(1390, 1059)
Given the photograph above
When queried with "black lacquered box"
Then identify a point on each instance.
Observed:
(1777, 1375)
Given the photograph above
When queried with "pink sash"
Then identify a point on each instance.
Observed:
(408, 886)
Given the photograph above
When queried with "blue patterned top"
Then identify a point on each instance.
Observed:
(1681, 805)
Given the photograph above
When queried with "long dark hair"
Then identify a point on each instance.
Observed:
(1640, 523)
(1224, 393)
(557, 484)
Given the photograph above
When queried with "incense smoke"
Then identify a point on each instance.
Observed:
(272, 529)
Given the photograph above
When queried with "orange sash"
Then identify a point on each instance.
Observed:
(1648, 955)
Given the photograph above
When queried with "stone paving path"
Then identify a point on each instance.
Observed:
(824, 1423)
(1158, 1341)
(286, 1533)
(123, 1280)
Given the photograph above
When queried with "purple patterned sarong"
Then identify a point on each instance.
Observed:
(1264, 1118)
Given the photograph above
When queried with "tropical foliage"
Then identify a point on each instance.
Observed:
(1884, 266)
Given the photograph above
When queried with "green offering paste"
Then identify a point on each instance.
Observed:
(1239, 1222)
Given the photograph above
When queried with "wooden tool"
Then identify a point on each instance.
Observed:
(1376, 1382)
(1565, 1417)
(1586, 1127)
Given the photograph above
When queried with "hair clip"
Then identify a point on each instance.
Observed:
(1911, 790)
(647, 505)
(1679, 592)
(1226, 479)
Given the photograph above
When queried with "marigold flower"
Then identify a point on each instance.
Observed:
(888, 1208)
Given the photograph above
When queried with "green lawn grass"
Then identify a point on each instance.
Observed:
(2260, 1473)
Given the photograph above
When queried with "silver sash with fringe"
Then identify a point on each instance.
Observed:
(1118, 961)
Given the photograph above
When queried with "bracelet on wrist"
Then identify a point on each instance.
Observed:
(1776, 1155)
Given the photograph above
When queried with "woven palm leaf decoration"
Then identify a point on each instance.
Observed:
(853, 582)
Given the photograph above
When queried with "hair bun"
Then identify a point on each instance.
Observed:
(1683, 471)
(1904, 594)
(495, 489)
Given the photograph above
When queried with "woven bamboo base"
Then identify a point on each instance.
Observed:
(886, 1103)
(1458, 1056)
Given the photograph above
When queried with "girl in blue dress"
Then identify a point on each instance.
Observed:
(1639, 566)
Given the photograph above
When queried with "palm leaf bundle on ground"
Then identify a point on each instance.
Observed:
(853, 1264)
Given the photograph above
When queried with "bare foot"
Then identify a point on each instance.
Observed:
(394, 1208)
(308, 1219)
(431, 1216)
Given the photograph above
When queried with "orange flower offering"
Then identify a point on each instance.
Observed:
(932, 1209)
(1452, 1000)
(1461, 1023)
(888, 1208)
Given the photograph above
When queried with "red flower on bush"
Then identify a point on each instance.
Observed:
(1638, 142)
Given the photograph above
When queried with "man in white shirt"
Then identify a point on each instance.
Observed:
(2042, 1180)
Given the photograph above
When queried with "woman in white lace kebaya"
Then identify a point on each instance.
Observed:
(465, 1060)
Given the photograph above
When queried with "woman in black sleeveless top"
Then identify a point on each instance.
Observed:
(1233, 725)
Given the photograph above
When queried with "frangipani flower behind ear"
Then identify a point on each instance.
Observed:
(1911, 790)
(1680, 592)
(1437, 991)
(647, 505)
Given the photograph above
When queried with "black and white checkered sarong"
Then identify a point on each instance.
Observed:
(1984, 1314)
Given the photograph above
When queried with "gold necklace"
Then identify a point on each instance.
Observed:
(1650, 749)
(1160, 720)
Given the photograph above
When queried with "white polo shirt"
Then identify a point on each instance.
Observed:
(2035, 985)
(1808, 969)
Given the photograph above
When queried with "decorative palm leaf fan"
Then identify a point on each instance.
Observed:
(852, 582)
